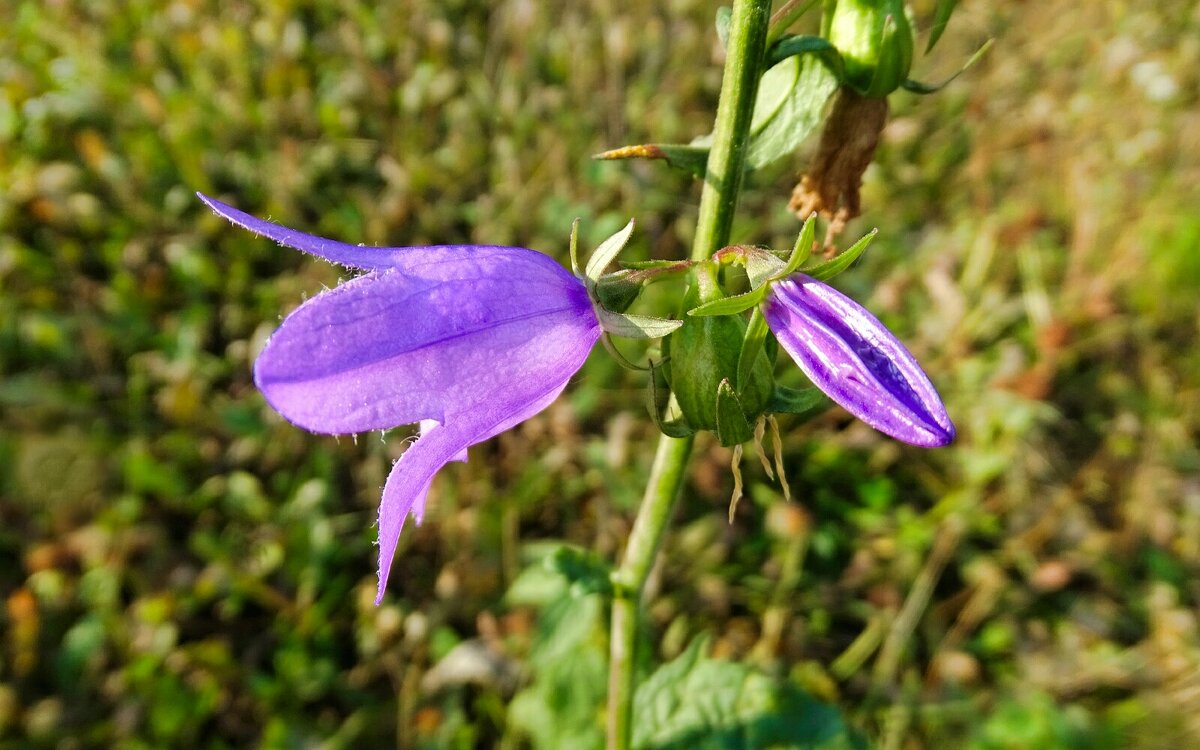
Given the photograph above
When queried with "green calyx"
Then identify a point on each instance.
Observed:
(703, 369)
(875, 40)
(719, 364)
(612, 294)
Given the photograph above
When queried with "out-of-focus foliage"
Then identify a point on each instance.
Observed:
(180, 568)
(696, 702)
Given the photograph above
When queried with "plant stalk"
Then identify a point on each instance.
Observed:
(718, 201)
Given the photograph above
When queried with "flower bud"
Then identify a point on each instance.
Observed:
(876, 44)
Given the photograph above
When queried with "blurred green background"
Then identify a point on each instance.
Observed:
(181, 568)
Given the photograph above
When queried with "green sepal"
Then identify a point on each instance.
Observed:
(756, 335)
(730, 305)
(895, 58)
(732, 426)
(818, 47)
(804, 402)
(704, 352)
(677, 427)
(650, 265)
(803, 247)
(923, 89)
(610, 346)
(941, 17)
(783, 18)
(761, 264)
(575, 249)
(761, 267)
(607, 252)
(635, 326)
(794, 94)
(617, 291)
(832, 267)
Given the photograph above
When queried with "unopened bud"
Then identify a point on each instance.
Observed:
(876, 44)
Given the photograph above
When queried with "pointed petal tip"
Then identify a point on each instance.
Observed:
(222, 209)
(927, 436)
(382, 587)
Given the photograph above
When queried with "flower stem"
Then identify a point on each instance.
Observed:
(727, 155)
(666, 477)
(718, 200)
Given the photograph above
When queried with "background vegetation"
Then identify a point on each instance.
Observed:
(181, 568)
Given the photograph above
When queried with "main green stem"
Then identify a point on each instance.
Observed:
(718, 200)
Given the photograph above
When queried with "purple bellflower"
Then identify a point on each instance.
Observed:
(843, 349)
(847, 353)
(466, 340)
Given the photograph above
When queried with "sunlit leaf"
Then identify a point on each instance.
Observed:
(797, 115)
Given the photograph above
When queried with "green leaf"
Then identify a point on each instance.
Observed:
(941, 17)
(805, 402)
(774, 87)
(730, 305)
(834, 266)
(568, 664)
(586, 572)
(689, 158)
(696, 703)
(790, 103)
(797, 115)
(732, 426)
(635, 326)
(607, 252)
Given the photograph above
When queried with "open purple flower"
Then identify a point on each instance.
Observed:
(467, 340)
(847, 353)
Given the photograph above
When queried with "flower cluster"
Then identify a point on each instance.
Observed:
(469, 340)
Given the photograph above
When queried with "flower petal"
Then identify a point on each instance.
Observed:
(467, 340)
(380, 258)
(856, 361)
(408, 482)
(392, 348)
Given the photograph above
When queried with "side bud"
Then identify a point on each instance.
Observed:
(875, 40)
